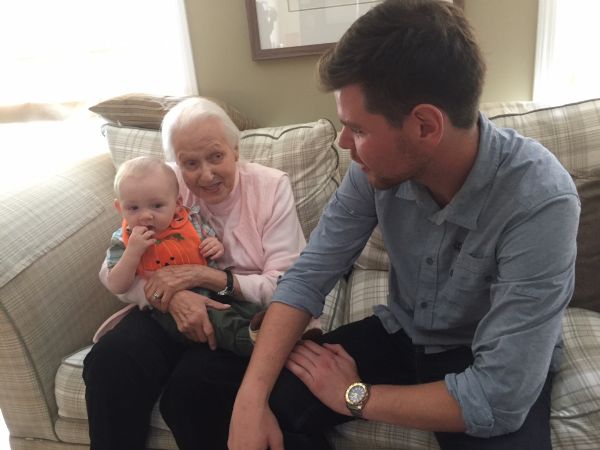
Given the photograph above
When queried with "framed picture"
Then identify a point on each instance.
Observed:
(286, 28)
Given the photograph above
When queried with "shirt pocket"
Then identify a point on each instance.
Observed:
(473, 273)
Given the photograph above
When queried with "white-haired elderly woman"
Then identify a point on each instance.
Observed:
(135, 363)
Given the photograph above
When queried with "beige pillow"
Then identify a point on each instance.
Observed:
(571, 132)
(304, 151)
(147, 111)
(587, 266)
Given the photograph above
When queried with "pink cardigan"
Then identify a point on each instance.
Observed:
(258, 226)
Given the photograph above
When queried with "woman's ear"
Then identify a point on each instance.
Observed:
(429, 121)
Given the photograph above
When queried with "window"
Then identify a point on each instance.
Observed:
(567, 68)
(62, 56)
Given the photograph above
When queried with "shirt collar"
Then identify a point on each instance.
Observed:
(466, 206)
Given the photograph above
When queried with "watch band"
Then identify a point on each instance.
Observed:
(229, 289)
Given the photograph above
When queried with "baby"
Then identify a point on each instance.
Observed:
(157, 231)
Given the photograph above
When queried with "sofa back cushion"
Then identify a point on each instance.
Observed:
(571, 132)
(305, 152)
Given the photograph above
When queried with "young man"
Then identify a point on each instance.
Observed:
(480, 225)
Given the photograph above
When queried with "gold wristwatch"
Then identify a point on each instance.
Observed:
(356, 397)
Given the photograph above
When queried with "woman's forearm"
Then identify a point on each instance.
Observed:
(170, 280)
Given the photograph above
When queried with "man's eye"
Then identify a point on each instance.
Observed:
(190, 164)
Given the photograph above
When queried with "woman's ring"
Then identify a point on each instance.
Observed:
(156, 296)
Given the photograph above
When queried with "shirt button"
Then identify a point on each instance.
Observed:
(423, 305)
(429, 261)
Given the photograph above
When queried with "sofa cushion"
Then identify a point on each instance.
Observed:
(39, 219)
(366, 289)
(587, 266)
(571, 132)
(575, 411)
(147, 111)
(304, 151)
(307, 153)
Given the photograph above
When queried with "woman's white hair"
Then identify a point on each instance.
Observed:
(194, 110)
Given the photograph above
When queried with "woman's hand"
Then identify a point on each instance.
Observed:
(190, 313)
(165, 282)
(326, 370)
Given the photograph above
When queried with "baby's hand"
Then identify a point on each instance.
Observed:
(211, 248)
(140, 239)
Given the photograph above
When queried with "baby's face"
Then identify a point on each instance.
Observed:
(150, 201)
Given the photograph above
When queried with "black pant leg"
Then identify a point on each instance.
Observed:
(198, 399)
(380, 358)
(124, 374)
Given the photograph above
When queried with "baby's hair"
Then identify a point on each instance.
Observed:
(142, 166)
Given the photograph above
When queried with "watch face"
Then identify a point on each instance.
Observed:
(356, 394)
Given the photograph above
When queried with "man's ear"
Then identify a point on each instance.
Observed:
(429, 121)
(118, 205)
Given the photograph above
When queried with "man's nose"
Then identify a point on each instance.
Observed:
(345, 139)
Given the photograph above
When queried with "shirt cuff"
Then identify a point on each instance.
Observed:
(477, 413)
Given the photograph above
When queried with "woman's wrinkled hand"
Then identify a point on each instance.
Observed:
(190, 311)
(166, 281)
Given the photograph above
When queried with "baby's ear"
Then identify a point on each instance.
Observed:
(118, 205)
(179, 202)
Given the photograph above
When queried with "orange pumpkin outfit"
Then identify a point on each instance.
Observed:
(178, 244)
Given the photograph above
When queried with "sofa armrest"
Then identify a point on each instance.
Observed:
(51, 300)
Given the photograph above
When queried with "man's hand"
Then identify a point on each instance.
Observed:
(190, 313)
(253, 428)
(211, 248)
(326, 370)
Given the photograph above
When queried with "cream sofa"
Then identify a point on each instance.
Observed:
(55, 233)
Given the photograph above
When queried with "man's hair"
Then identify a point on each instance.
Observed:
(196, 110)
(407, 52)
(143, 166)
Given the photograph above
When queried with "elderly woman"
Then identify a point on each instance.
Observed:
(251, 207)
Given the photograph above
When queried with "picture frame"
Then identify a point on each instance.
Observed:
(290, 28)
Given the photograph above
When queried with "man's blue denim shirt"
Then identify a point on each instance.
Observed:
(493, 269)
